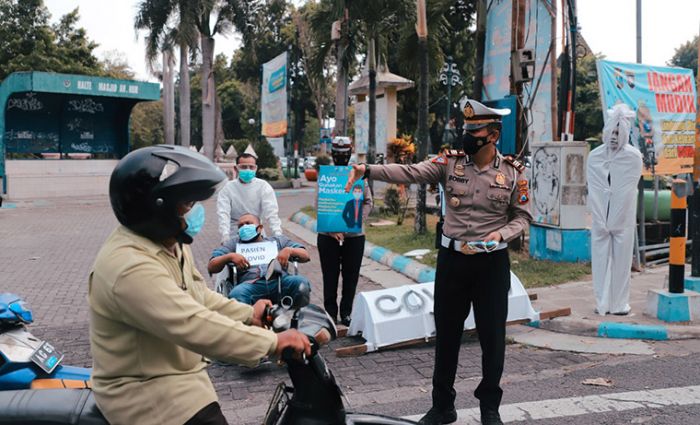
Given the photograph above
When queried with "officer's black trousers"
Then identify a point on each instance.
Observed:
(335, 258)
(484, 281)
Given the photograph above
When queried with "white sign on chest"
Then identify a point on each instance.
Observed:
(258, 253)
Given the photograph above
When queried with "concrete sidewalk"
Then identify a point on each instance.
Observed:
(584, 321)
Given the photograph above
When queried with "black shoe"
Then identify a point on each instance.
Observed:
(490, 417)
(345, 321)
(438, 417)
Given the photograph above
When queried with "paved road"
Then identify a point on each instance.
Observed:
(46, 250)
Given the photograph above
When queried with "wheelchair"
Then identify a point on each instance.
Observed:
(227, 279)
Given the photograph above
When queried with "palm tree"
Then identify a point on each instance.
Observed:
(226, 14)
(155, 16)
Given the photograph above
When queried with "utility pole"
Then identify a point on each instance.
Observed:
(422, 31)
(641, 239)
(695, 199)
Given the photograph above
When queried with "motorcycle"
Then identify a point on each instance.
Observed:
(313, 398)
(26, 361)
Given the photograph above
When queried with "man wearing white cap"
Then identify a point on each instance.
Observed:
(487, 206)
(613, 173)
(247, 194)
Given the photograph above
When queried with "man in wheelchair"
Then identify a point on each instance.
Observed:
(250, 263)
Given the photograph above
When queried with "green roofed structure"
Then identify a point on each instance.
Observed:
(62, 134)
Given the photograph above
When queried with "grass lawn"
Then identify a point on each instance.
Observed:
(533, 273)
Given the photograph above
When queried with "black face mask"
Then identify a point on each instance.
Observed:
(471, 144)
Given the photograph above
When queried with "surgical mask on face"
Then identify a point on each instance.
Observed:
(472, 144)
(357, 195)
(248, 232)
(246, 176)
(195, 220)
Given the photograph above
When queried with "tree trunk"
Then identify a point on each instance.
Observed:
(219, 134)
(168, 98)
(184, 96)
(372, 128)
(341, 94)
(478, 85)
(419, 225)
(208, 96)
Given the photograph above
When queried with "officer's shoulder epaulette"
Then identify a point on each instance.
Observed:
(456, 153)
(514, 162)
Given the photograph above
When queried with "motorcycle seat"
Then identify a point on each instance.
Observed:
(50, 407)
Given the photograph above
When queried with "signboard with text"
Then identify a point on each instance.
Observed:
(664, 100)
(258, 253)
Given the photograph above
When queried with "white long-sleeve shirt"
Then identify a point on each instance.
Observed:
(256, 197)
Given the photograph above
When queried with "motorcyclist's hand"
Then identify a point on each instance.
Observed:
(259, 311)
(283, 257)
(239, 261)
(293, 339)
(356, 173)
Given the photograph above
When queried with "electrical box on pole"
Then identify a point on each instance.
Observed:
(523, 61)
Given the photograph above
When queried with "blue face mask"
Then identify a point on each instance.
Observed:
(246, 176)
(194, 219)
(248, 232)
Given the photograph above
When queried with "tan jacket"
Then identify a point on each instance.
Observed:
(150, 332)
(478, 202)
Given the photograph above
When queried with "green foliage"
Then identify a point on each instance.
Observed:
(29, 43)
(686, 56)
(322, 160)
(146, 124)
(589, 114)
(392, 200)
(269, 174)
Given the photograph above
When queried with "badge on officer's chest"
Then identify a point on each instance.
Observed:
(500, 179)
(459, 170)
(523, 196)
(454, 202)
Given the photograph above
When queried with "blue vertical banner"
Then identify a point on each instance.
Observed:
(273, 98)
(664, 100)
(338, 211)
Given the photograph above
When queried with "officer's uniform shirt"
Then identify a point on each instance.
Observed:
(151, 323)
(478, 202)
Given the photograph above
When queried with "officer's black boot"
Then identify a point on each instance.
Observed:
(439, 416)
(490, 416)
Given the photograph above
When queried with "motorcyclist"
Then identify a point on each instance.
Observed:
(153, 321)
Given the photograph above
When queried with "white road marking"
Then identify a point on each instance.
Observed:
(586, 405)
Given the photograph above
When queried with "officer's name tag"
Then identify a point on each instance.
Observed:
(258, 253)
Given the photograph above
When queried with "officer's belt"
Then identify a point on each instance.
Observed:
(463, 248)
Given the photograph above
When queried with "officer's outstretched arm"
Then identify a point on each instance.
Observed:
(424, 172)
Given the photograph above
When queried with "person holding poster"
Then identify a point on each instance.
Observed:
(252, 253)
(613, 172)
(487, 206)
(342, 251)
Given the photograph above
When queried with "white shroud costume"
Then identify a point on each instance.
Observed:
(613, 169)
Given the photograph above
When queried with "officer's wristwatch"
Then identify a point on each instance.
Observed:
(366, 175)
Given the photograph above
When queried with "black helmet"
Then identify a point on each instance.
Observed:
(148, 183)
(341, 150)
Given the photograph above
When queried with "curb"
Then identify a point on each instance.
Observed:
(587, 327)
(399, 263)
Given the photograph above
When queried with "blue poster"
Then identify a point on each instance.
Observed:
(337, 210)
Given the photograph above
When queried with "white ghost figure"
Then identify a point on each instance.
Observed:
(613, 172)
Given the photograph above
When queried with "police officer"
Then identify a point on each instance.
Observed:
(487, 205)
(153, 321)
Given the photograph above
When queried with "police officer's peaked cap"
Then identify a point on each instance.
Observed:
(478, 115)
(341, 144)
